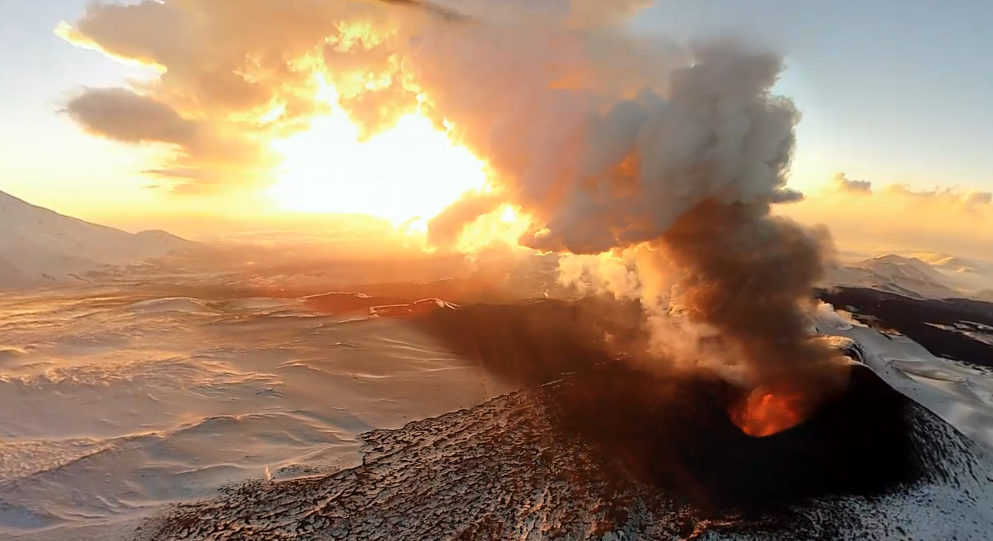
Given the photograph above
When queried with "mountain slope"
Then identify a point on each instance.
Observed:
(40, 246)
(918, 274)
(905, 268)
(906, 276)
(971, 274)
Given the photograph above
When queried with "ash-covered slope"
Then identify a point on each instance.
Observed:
(610, 453)
(39, 246)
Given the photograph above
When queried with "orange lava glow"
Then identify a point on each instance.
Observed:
(765, 413)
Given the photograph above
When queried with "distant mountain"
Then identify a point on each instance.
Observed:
(39, 246)
(919, 274)
(908, 276)
(972, 275)
(909, 268)
(956, 264)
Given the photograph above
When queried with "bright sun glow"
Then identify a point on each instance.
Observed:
(407, 174)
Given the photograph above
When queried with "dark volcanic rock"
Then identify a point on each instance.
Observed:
(610, 453)
(922, 320)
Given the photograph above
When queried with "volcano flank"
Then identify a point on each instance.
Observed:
(612, 452)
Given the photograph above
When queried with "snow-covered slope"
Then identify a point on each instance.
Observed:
(919, 274)
(955, 263)
(908, 276)
(39, 246)
(972, 274)
(608, 454)
(185, 395)
(908, 268)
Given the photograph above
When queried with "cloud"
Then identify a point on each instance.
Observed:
(126, 116)
(842, 183)
(682, 172)
(866, 217)
(951, 197)
(233, 76)
(177, 173)
(236, 74)
(201, 155)
(946, 196)
(446, 228)
(602, 173)
(606, 142)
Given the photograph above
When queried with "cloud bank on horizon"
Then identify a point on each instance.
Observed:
(877, 219)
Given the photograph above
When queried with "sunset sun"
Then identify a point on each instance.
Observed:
(408, 173)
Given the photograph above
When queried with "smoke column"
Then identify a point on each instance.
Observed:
(684, 179)
(607, 142)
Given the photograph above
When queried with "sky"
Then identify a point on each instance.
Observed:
(891, 91)
(44, 157)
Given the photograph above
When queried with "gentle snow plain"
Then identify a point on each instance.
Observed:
(115, 405)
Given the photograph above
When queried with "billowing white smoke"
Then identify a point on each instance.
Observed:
(607, 142)
(681, 174)
(600, 173)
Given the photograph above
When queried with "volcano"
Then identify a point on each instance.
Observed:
(611, 452)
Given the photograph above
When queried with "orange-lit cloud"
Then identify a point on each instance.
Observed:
(842, 183)
(865, 217)
(200, 152)
(235, 75)
(595, 140)
(521, 92)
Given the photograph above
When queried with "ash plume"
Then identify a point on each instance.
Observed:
(608, 143)
(682, 182)
(749, 276)
(433, 9)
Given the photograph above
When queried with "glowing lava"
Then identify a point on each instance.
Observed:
(765, 413)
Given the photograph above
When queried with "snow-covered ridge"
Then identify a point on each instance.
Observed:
(39, 246)
(919, 275)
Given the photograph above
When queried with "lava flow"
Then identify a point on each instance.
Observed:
(764, 413)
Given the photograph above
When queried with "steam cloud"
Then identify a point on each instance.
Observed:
(234, 74)
(609, 143)
(684, 179)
